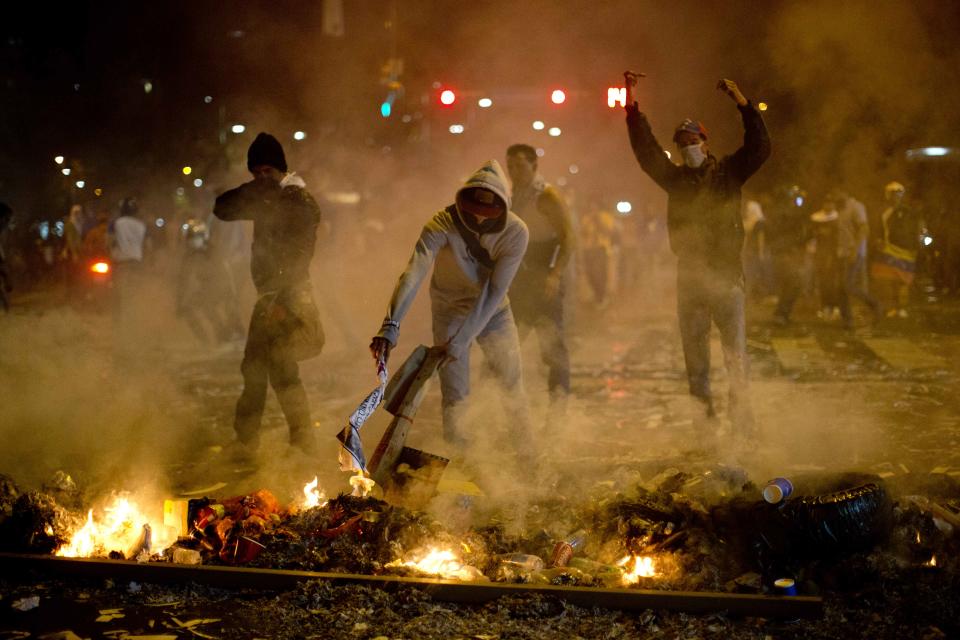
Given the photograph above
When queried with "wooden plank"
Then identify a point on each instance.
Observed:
(444, 590)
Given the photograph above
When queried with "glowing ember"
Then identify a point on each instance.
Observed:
(312, 496)
(362, 485)
(119, 529)
(440, 562)
(636, 567)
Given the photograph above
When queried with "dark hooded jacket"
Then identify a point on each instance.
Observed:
(285, 218)
(703, 205)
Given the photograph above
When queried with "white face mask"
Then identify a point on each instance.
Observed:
(693, 155)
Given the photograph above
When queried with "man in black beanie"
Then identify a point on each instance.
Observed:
(285, 326)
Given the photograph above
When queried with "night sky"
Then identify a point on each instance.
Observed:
(850, 87)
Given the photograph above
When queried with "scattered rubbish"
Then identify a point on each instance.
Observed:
(107, 615)
(26, 604)
(785, 586)
(522, 561)
(186, 556)
(563, 550)
(777, 490)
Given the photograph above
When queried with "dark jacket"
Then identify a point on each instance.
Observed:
(703, 205)
(285, 223)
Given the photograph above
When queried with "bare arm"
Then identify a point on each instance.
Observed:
(551, 204)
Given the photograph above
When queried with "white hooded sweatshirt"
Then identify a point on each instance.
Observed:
(463, 298)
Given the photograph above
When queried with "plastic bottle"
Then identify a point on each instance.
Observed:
(525, 561)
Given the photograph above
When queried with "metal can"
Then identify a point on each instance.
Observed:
(563, 550)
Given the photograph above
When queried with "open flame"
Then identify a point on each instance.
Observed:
(119, 529)
(441, 562)
(362, 485)
(636, 567)
(312, 496)
(932, 562)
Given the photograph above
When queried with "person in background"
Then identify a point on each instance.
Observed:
(72, 254)
(706, 235)
(537, 292)
(755, 250)
(895, 261)
(853, 231)
(788, 232)
(824, 224)
(285, 324)
(475, 247)
(126, 238)
(597, 250)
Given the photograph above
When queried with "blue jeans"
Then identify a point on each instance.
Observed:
(501, 348)
(853, 286)
(703, 299)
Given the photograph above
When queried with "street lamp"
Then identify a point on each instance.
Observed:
(238, 128)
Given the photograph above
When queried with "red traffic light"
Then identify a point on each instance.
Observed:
(448, 97)
(559, 96)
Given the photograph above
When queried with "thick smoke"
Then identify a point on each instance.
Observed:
(850, 86)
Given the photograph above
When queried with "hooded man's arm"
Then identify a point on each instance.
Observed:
(493, 292)
(432, 239)
(756, 144)
(651, 156)
(239, 203)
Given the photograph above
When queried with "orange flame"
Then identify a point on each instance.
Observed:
(118, 529)
(100, 267)
(441, 562)
(312, 496)
(636, 567)
(362, 485)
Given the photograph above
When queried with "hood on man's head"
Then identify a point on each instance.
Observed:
(266, 150)
(490, 177)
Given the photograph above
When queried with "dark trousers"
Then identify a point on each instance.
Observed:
(704, 299)
(532, 310)
(267, 359)
(788, 272)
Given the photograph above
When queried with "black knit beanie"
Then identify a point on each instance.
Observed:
(266, 150)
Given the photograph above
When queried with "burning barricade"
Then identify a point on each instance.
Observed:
(693, 532)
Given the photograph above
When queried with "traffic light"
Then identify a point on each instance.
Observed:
(448, 97)
(616, 97)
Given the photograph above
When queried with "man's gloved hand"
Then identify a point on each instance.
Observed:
(631, 81)
(380, 349)
(730, 88)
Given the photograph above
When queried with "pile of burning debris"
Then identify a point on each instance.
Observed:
(705, 531)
